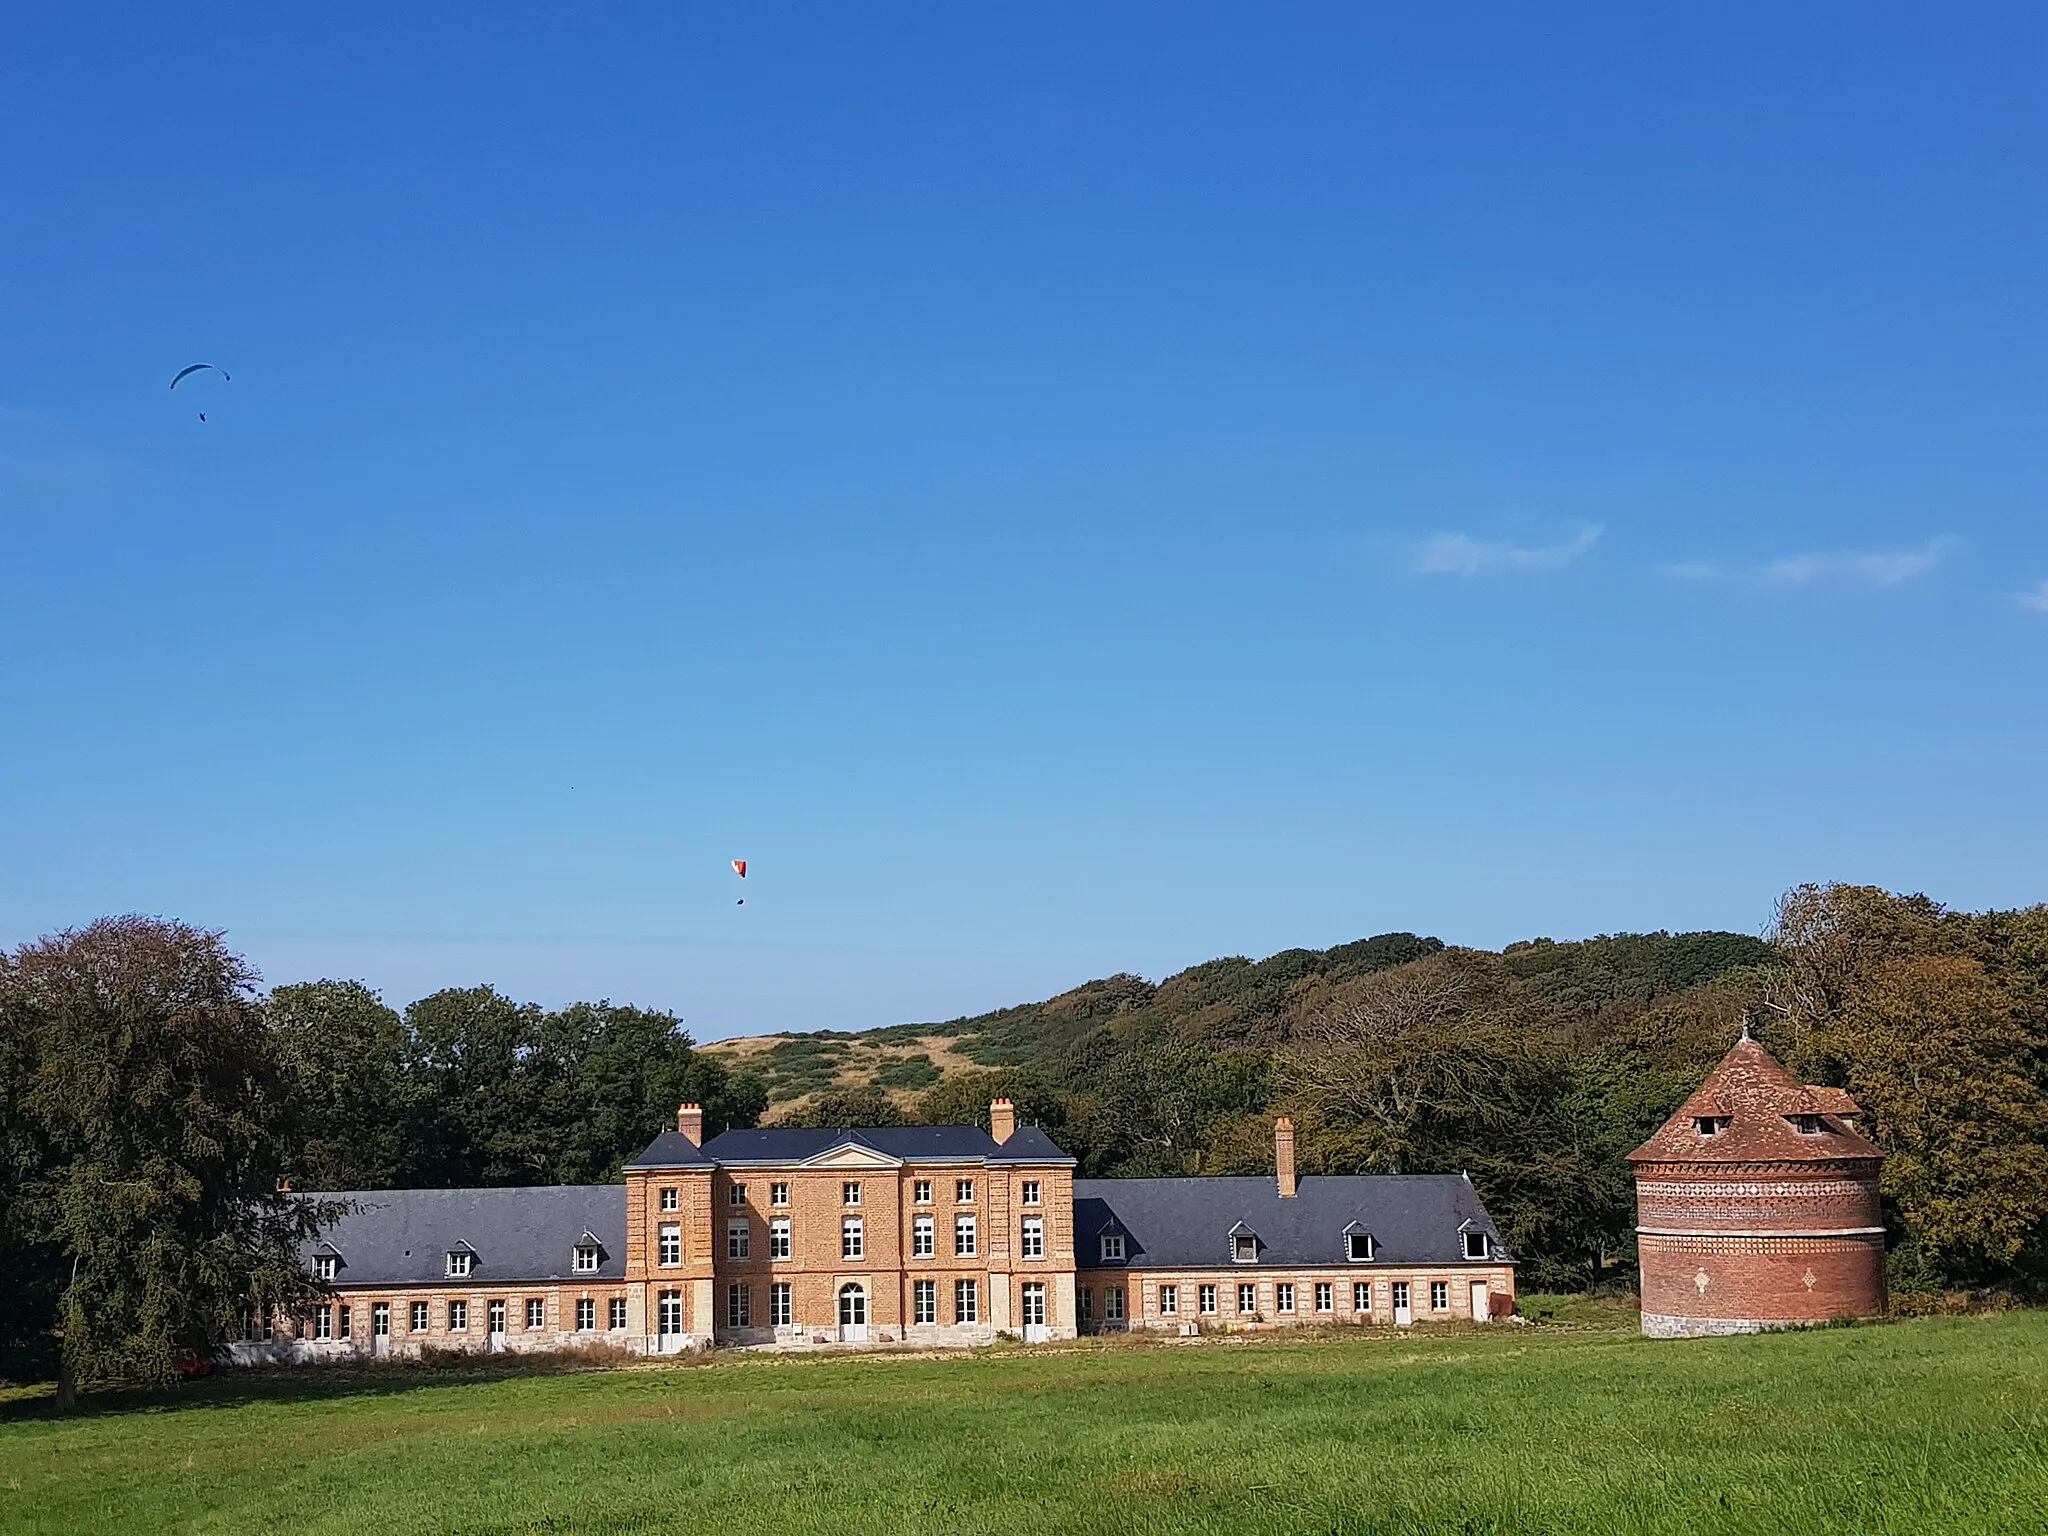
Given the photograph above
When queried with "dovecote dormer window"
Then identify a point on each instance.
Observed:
(1475, 1245)
(1809, 1125)
(460, 1262)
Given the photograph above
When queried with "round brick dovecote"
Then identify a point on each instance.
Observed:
(1756, 1206)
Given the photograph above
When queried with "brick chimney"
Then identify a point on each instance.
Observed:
(1283, 1156)
(1002, 1120)
(690, 1122)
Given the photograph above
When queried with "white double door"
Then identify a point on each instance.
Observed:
(853, 1315)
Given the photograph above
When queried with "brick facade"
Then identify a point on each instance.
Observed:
(1757, 1206)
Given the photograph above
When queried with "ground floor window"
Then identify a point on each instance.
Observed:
(536, 1313)
(1084, 1303)
(1206, 1298)
(497, 1317)
(780, 1308)
(739, 1306)
(1439, 1296)
(1169, 1300)
(1326, 1296)
(586, 1314)
(419, 1317)
(323, 1323)
(380, 1320)
(1113, 1304)
(458, 1317)
(1034, 1305)
(924, 1301)
(668, 1312)
(1400, 1298)
(966, 1301)
(1247, 1300)
(1361, 1296)
(618, 1317)
(1283, 1297)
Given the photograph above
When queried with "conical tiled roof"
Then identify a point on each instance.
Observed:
(1754, 1102)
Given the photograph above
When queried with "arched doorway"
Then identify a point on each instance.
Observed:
(853, 1314)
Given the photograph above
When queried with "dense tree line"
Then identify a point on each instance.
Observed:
(156, 1106)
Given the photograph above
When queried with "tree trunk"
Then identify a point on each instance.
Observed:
(67, 1382)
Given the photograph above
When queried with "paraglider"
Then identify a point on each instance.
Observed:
(195, 368)
(739, 867)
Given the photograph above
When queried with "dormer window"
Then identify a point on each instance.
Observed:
(1707, 1125)
(326, 1265)
(1113, 1247)
(585, 1262)
(1475, 1245)
(460, 1261)
(1809, 1125)
(1244, 1248)
(1358, 1247)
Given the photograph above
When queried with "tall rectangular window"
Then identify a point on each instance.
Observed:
(496, 1316)
(963, 1191)
(739, 1303)
(923, 1237)
(1169, 1300)
(1084, 1304)
(325, 1266)
(323, 1323)
(1400, 1298)
(778, 1194)
(1439, 1296)
(849, 1193)
(670, 1252)
(1032, 1239)
(852, 1238)
(418, 1318)
(671, 1200)
(1326, 1296)
(1206, 1298)
(966, 1301)
(1247, 1300)
(458, 1317)
(1030, 1192)
(738, 1195)
(618, 1313)
(1112, 1304)
(668, 1312)
(738, 1239)
(536, 1313)
(1361, 1296)
(924, 1301)
(342, 1324)
(1283, 1297)
(1034, 1304)
(964, 1246)
(780, 1309)
(380, 1320)
(586, 1314)
(778, 1238)
(921, 1191)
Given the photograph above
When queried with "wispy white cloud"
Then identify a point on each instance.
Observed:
(1875, 568)
(2036, 599)
(1459, 554)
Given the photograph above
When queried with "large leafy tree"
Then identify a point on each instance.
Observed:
(157, 1113)
(365, 1121)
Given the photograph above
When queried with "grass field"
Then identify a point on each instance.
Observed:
(1933, 1425)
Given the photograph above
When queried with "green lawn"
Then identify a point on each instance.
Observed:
(1934, 1425)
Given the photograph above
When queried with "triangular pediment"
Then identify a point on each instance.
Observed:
(851, 1154)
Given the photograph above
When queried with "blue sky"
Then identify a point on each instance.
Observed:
(1060, 490)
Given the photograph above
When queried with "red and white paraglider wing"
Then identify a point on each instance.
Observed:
(739, 867)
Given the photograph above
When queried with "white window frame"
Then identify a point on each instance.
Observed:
(325, 1266)
(380, 1320)
(616, 1314)
(668, 1253)
(849, 1192)
(668, 1312)
(536, 1313)
(458, 1316)
(1485, 1248)
(924, 1237)
(921, 1192)
(778, 1237)
(924, 1302)
(1112, 1246)
(585, 1261)
(1326, 1296)
(1031, 1238)
(1283, 1296)
(966, 1301)
(586, 1314)
(1439, 1295)
(1353, 1241)
(671, 1200)
(963, 1191)
(1247, 1298)
(1361, 1295)
(460, 1262)
(778, 1193)
(1112, 1303)
(739, 1239)
(1205, 1300)
(1030, 1193)
(418, 1317)
(1033, 1300)
(496, 1315)
(323, 1323)
(737, 1196)
(966, 1236)
(1244, 1248)
(1169, 1301)
(781, 1304)
(853, 1237)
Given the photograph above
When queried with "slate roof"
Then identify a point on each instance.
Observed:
(793, 1144)
(671, 1149)
(1756, 1095)
(403, 1236)
(1414, 1218)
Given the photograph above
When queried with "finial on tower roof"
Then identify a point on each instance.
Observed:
(1745, 1026)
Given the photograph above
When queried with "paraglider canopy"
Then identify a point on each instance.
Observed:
(739, 867)
(194, 369)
